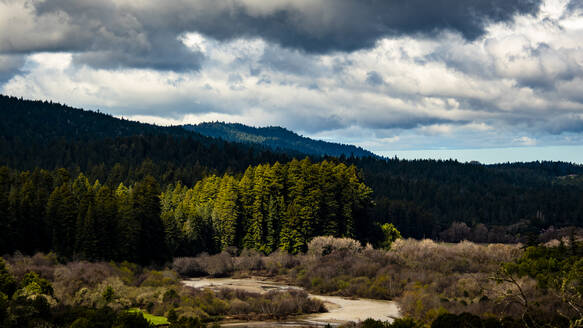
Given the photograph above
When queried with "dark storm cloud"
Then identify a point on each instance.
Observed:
(288, 61)
(100, 34)
(166, 53)
(348, 25)
(113, 34)
(408, 122)
(565, 123)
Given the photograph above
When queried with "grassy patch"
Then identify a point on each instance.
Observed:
(153, 319)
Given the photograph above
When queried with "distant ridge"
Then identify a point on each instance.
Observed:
(277, 138)
(48, 135)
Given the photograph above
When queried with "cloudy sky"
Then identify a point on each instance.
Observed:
(491, 80)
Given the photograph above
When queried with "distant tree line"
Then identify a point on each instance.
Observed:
(268, 207)
(424, 197)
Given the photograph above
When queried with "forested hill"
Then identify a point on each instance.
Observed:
(277, 138)
(491, 203)
(43, 120)
(41, 134)
(423, 198)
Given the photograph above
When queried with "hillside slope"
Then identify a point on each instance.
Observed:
(277, 138)
(40, 134)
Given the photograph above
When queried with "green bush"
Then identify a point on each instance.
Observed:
(397, 323)
(131, 320)
(40, 285)
(7, 282)
(184, 322)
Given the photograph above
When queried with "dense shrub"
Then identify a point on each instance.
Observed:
(325, 245)
(280, 262)
(249, 260)
(218, 265)
(397, 323)
(7, 282)
(131, 320)
(188, 267)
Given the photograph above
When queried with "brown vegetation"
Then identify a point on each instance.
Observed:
(425, 277)
(126, 285)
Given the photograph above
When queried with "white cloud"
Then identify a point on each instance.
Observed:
(525, 141)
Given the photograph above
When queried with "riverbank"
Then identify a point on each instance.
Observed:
(340, 309)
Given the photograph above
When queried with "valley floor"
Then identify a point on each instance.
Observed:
(340, 309)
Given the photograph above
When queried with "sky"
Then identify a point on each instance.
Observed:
(486, 80)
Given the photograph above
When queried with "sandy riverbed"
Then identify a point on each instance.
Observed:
(339, 309)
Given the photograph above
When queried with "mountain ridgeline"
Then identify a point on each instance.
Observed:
(40, 134)
(277, 138)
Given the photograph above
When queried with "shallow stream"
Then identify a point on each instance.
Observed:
(340, 309)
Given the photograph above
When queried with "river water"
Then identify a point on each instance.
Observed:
(340, 309)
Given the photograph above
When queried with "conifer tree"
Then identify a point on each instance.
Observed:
(226, 212)
(246, 191)
(106, 216)
(87, 239)
(5, 217)
(62, 212)
(128, 226)
(145, 199)
(172, 216)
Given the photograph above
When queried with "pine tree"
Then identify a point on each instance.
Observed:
(106, 232)
(145, 196)
(273, 222)
(256, 228)
(246, 192)
(87, 242)
(275, 176)
(84, 193)
(173, 217)
(226, 212)
(128, 226)
(62, 212)
(5, 215)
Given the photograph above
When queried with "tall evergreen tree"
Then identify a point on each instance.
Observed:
(128, 226)
(106, 229)
(226, 213)
(62, 212)
(145, 199)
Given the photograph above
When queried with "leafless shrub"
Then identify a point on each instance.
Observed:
(279, 260)
(281, 304)
(72, 277)
(188, 266)
(564, 233)
(249, 260)
(218, 265)
(457, 232)
(500, 235)
(43, 264)
(324, 245)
